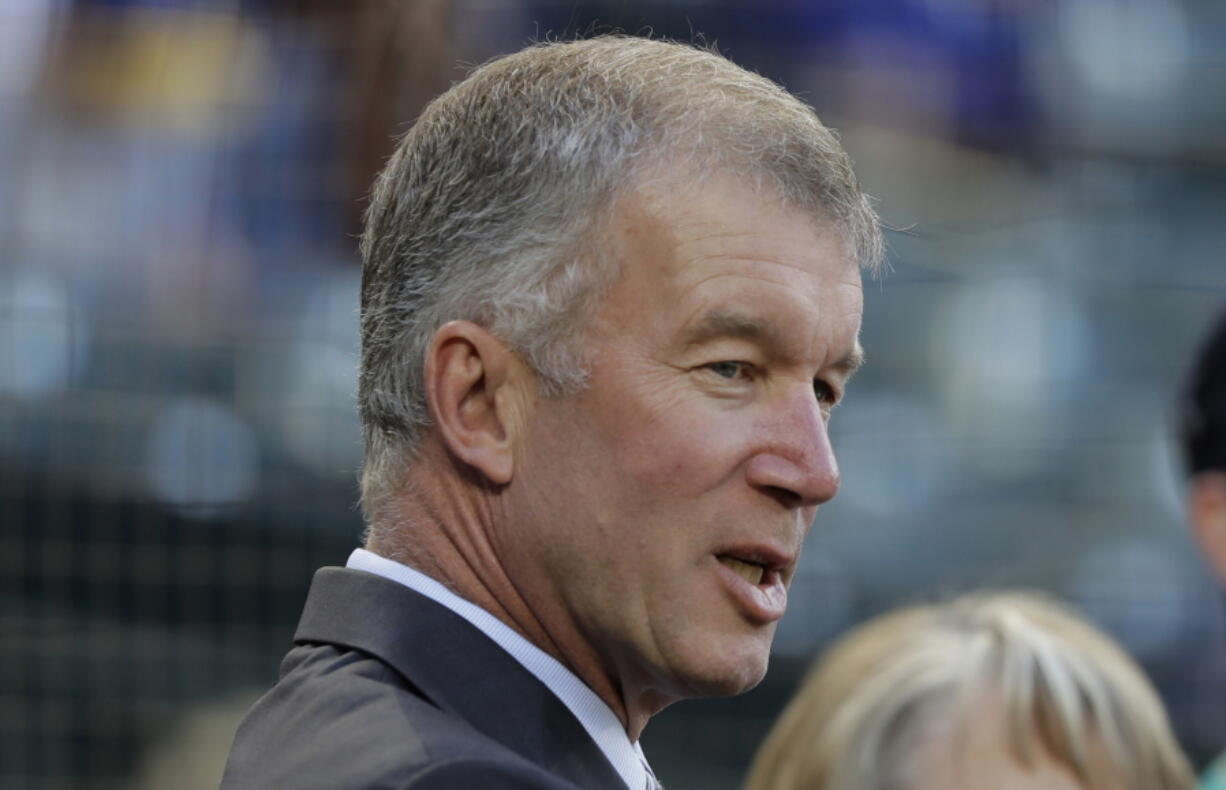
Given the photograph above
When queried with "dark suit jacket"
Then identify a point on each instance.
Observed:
(386, 688)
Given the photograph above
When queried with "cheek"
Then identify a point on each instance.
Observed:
(686, 451)
(660, 436)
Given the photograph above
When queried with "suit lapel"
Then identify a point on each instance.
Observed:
(455, 667)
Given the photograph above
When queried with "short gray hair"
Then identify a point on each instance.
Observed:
(493, 205)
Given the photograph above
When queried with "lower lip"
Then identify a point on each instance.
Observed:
(760, 603)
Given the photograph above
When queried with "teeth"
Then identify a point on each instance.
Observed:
(751, 573)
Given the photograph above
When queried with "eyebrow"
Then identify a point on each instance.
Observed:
(850, 362)
(721, 323)
(724, 324)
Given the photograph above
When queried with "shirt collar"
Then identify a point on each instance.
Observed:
(601, 724)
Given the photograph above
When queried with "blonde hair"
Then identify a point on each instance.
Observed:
(1065, 690)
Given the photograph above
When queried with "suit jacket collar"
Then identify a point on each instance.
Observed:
(455, 667)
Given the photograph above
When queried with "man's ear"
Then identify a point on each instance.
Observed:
(1207, 512)
(475, 388)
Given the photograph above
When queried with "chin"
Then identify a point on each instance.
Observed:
(726, 676)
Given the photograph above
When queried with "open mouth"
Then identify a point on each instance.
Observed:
(764, 597)
(750, 571)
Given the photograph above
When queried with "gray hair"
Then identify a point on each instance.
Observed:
(493, 206)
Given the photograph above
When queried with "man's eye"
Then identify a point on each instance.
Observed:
(824, 392)
(728, 370)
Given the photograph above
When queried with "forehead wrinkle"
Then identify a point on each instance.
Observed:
(774, 266)
(689, 232)
(794, 254)
(762, 274)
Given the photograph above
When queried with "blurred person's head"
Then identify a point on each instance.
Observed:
(1203, 429)
(611, 294)
(494, 207)
(1009, 691)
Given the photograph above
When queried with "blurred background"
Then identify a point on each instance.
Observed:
(181, 184)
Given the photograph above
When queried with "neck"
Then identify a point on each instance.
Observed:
(443, 525)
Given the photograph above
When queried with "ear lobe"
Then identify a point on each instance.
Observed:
(469, 375)
(1207, 512)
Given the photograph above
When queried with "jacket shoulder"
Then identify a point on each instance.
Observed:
(341, 717)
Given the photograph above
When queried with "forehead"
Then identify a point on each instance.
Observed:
(722, 254)
(694, 213)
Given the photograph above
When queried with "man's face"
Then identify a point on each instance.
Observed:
(658, 516)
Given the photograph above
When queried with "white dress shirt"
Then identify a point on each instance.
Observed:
(596, 717)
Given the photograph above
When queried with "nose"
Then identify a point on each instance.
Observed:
(795, 463)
